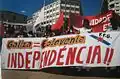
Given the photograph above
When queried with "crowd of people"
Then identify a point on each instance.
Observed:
(20, 31)
(12, 31)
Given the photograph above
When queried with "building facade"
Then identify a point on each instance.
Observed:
(114, 5)
(104, 6)
(52, 11)
(8, 16)
(111, 5)
(13, 23)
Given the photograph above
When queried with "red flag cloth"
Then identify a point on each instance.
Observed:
(76, 20)
(59, 23)
(1, 30)
(100, 22)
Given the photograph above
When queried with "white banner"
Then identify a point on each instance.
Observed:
(89, 50)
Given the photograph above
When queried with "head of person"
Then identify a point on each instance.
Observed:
(86, 24)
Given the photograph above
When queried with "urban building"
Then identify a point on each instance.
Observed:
(8, 16)
(114, 5)
(104, 6)
(13, 22)
(49, 13)
(111, 5)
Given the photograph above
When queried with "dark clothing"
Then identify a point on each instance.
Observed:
(0, 43)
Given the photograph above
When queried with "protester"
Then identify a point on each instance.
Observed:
(86, 27)
(1, 34)
(115, 24)
(76, 25)
(30, 34)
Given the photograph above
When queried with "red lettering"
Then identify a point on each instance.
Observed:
(27, 59)
(89, 55)
(106, 56)
(60, 56)
(71, 56)
(14, 59)
(41, 62)
(36, 56)
(97, 52)
(46, 58)
(8, 64)
(20, 62)
(78, 55)
(110, 57)
(52, 60)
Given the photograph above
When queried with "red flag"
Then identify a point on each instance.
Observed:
(100, 22)
(59, 23)
(76, 20)
(1, 30)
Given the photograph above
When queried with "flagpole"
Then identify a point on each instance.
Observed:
(44, 4)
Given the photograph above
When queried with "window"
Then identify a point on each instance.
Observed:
(117, 6)
(50, 16)
(67, 8)
(47, 11)
(44, 22)
(51, 5)
(57, 13)
(25, 19)
(50, 10)
(111, 0)
(77, 9)
(57, 8)
(45, 8)
(112, 6)
(117, 10)
(50, 21)
(47, 21)
(72, 8)
(54, 20)
(41, 23)
(63, 2)
(54, 9)
(62, 7)
(47, 16)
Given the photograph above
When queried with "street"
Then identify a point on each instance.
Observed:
(11, 74)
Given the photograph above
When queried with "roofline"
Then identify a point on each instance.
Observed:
(13, 12)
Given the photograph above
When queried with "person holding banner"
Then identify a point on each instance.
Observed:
(86, 27)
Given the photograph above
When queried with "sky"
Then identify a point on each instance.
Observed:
(28, 7)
